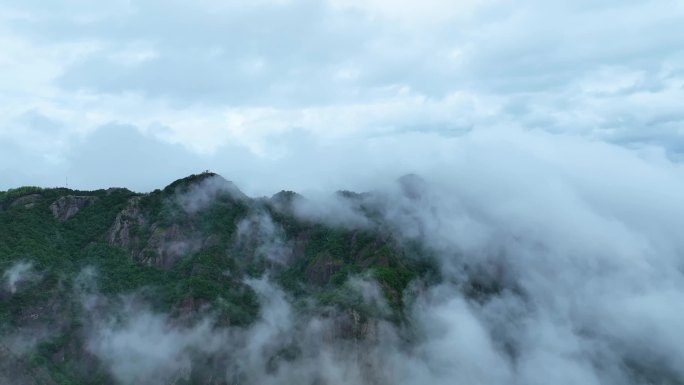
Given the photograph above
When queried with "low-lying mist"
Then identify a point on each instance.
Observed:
(575, 246)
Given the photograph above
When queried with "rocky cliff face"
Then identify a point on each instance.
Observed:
(66, 207)
(166, 245)
(123, 232)
(322, 269)
(189, 250)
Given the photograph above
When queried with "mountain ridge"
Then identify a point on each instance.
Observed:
(185, 250)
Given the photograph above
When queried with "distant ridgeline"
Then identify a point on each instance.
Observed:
(188, 251)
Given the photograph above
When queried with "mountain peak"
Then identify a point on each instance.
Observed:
(193, 179)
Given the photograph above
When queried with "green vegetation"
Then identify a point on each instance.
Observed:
(183, 263)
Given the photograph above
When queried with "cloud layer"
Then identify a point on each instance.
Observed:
(582, 258)
(246, 87)
(549, 137)
(576, 243)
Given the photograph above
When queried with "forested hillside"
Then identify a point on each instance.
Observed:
(189, 251)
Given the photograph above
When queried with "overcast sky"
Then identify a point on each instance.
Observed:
(303, 94)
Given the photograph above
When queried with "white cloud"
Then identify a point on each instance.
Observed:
(17, 273)
(550, 135)
(412, 11)
(274, 78)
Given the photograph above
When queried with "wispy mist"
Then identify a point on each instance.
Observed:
(18, 272)
(559, 261)
(573, 247)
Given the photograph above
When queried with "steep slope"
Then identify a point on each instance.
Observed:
(186, 250)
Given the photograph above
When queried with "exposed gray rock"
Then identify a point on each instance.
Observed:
(167, 245)
(127, 222)
(151, 243)
(323, 268)
(66, 207)
(26, 200)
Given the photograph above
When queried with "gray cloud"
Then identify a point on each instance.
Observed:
(259, 83)
(235, 53)
(117, 155)
(548, 137)
(579, 240)
(147, 348)
(265, 237)
(582, 237)
(139, 345)
(584, 250)
(587, 241)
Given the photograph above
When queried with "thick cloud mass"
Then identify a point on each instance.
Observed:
(263, 88)
(587, 252)
(584, 254)
(545, 137)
